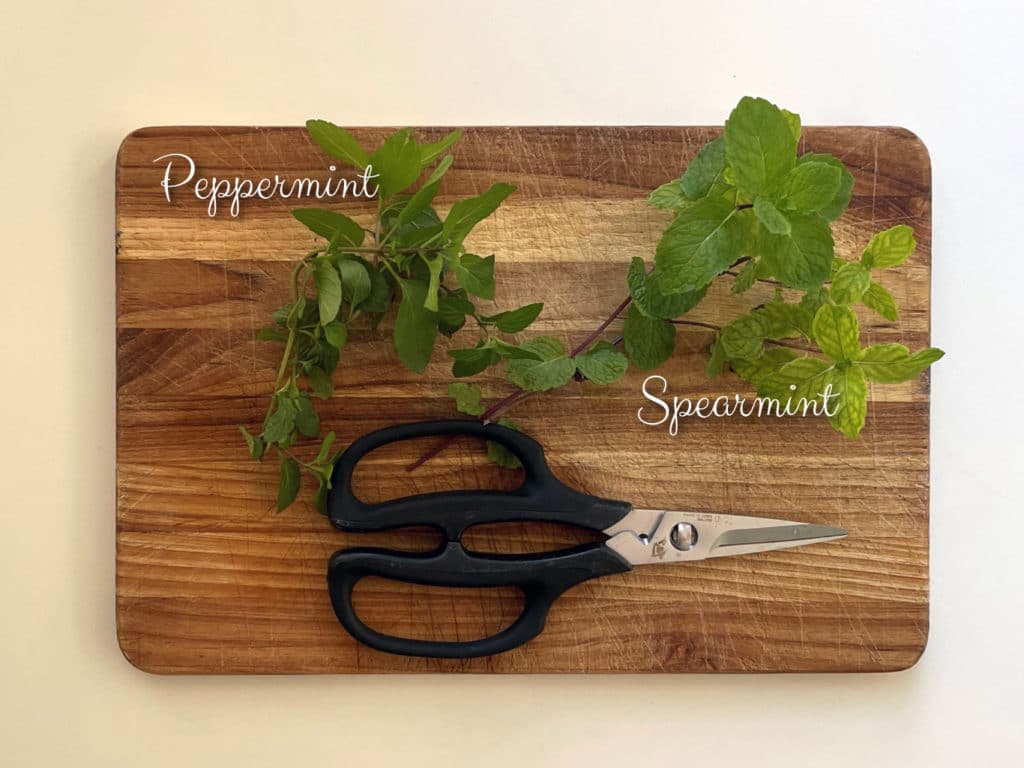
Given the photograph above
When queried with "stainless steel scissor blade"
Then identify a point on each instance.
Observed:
(649, 536)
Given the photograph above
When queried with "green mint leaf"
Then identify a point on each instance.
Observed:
(835, 207)
(435, 264)
(746, 277)
(281, 422)
(850, 282)
(880, 300)
(271, 334)
(668, 196)
(306, 419)
(793, 121)
(810, 186)
(889, 248)
(424, 196)
(325, 447)
(514, 352)
(334, 227)
(837, 332)
(891, 363)
(704, 170)
(803, 258)
(379, 298)
(320, 497)
(501, 455)
(320, 382)
(452, 309)
(850, 408)
(469, 362)
(804, 377)
(650, 341)
(397, 161)
(744, 336)
(466, 214)
(515, 320)
(646, 293)
(336, 333)
(759, 146)
(338, 143)
(701, 243)
(288, 488)
(253, 443)
(415, 327)
(771, 217)
(716, 360)
(430, 152)
(554, 368)
(770, 363)
(467, 398)
(355, 281)
(602, 363)
(781, 319)
(328, 289)
(475, 274)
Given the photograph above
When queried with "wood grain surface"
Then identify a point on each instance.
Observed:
(211, 580)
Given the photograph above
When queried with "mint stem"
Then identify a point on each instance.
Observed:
(518, 395)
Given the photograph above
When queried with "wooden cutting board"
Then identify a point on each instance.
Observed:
(211, 580)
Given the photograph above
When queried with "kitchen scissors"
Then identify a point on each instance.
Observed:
(635, 537)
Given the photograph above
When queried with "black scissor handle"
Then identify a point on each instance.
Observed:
(542, 578)
(541, 497)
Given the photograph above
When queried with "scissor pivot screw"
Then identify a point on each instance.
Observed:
(683, 536)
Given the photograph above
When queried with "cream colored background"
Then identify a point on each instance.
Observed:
(76, 77)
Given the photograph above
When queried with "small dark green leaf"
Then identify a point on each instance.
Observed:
(466, 214)
(744, 337)
(602, 363)
(288, 488)
(340, 230)
(646, 293)
(336, 333)
(306, 419)
(355, 282)
(650, 341)
(379, 298)
(271, 334)
(475, 274)
(321, 383)
(514, 320)
(338, 143)
(415, 327)
(328, 289)
(716, 359)
(325, 447)
(253, 443)
(469, 362)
